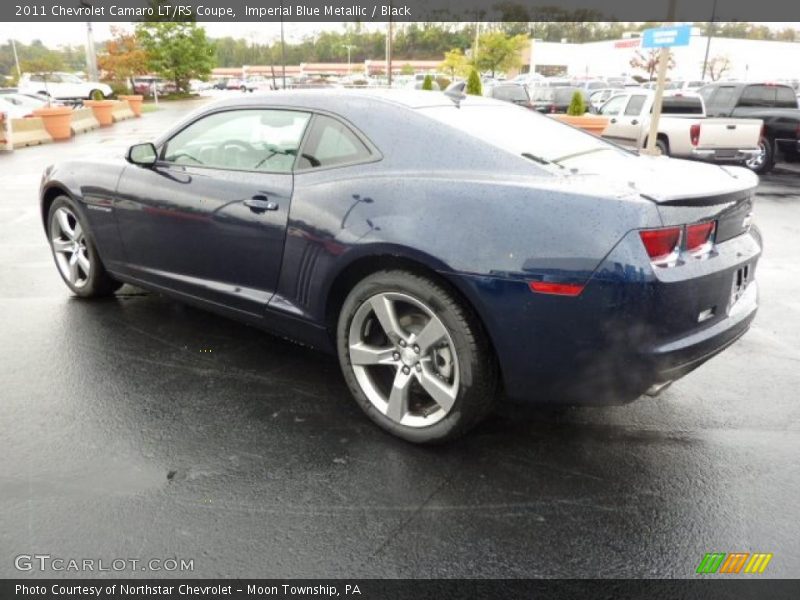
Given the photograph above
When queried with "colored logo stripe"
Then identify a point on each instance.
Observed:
(721, 562)
(758, 562)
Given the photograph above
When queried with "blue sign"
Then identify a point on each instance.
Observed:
(666, 37)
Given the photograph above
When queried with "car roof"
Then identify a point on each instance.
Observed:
(336, 98)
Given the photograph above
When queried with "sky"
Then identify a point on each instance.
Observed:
(58, 34)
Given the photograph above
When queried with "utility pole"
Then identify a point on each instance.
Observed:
(16, 58)
(708, 41)
(663, 63)
(349, 48)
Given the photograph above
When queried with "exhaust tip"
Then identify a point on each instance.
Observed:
(656, 389)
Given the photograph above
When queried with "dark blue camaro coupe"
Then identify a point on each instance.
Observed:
(448, 249)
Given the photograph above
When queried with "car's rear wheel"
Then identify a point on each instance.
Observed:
(416, 359)
(75, 253)
(662, 146)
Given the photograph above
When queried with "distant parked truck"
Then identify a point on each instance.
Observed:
(775, 104)
(683, 130)
(64, 86)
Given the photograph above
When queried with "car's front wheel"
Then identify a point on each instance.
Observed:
(416, 359)
(75, 253)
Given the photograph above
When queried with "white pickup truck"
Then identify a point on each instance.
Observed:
(683, 129)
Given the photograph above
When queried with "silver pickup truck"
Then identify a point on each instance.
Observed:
(684, 131)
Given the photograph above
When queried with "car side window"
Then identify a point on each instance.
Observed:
(635, 104)
(244, 140)
(614, 106)
(330, 142)
(757, 95)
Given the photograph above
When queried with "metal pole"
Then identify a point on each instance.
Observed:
(663, 62)
(349, 48)
(16, 58)
(283, 51)
(708, 40)
(91, 59)
(389, 50)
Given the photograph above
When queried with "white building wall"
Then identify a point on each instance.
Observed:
(750, 59)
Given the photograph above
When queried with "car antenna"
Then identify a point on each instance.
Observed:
(455, 96)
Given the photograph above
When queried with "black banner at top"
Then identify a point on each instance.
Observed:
(399, 10)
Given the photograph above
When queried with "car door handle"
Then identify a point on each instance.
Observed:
(613, 120)
(260, 204)
(635, 122)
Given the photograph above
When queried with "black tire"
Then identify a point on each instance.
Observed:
(98, 283)
(243, 88)
(766, 162)
(475, 361)
(663, 146)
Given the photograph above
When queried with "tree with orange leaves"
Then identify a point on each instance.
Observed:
(124, 58)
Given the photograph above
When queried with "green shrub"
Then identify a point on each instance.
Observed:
(474, 84)
(427, 83)
(97, 95)
(577, 106)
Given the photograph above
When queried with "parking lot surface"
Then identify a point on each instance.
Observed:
(140, 428)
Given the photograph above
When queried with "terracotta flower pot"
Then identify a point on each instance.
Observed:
(135, 103)
(589, 123)
(57, 121)
(102, 111)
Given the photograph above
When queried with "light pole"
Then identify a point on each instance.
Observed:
(349, 48)
(91, 59)
(708, 41)
(16, 58)
(283, 51)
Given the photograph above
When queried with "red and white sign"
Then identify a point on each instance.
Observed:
(631, 43)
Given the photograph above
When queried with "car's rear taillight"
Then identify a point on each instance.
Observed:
(552, 108)
(663, 245)
(699, 237)
(694, 134)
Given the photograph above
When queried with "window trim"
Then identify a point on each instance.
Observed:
(375, 155)
(162, 146)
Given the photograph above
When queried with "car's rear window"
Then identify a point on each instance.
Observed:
(682, 105)
(510, 93)
(519, 130)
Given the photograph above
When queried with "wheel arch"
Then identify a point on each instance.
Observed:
(49, 195)
(364, 266)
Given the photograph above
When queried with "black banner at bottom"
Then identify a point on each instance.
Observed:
(388, 589)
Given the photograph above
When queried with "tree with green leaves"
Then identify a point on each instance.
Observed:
(406, 69)
(499, 52)
(427, 83)
(178, 51)
(474, 84)
(577, 105)
(455, 63)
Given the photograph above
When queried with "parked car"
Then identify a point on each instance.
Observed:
(598, 97)
(683, 130)
(62, 85)
(234, 83)
(774, 104)
(685, 86)
(555, 99)
(257, 83)
(322, 221)
(220, 84)
(17, 106)
(509, 92)
(147, 85)
(590, 85)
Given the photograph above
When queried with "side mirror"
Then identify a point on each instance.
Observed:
(144, 155)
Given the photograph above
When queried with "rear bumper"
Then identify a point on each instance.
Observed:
(718, 155)
(630, 329)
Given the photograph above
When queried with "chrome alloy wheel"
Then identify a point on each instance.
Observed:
(69, 247)
(756, 161)
(404, 359)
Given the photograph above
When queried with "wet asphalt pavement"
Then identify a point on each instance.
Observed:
(138, 427)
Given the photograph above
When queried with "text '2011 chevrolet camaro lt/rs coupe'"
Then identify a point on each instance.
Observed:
(450, 250)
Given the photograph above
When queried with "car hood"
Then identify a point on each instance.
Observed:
(663, 179)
